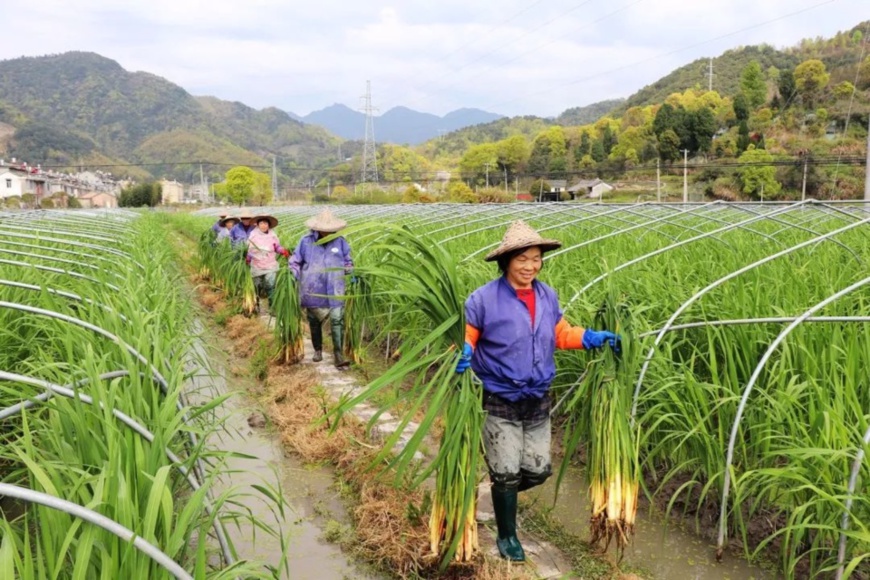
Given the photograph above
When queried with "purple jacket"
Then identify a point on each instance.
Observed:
(217, 227)
(240, 233)
(310, 263)
(512, 359)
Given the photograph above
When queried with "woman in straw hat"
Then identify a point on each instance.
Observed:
(263, 250)
(240, 232)
(217, 226)
(320, 268)
(514, 325)
(226, 223)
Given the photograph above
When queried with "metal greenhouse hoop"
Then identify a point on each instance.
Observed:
(137, 427)
(92, 517)
(747, 390)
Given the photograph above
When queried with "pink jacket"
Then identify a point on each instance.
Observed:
(263, 249)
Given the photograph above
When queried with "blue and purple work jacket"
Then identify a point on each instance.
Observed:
(217, 227)
(512, 358)
(240, 233)
(320, 269)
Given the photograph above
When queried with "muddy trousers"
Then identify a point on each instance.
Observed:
(316, 317)
(516, 438)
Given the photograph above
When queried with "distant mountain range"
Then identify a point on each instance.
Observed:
(399, 125)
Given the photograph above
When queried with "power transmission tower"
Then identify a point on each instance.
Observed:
(369, 160)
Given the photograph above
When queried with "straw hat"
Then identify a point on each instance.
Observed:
(223, 214)
(246, 215)
(226, 218)
(325, 222)
(520, 236)
(273, 221)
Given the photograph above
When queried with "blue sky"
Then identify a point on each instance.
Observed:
(513, 57)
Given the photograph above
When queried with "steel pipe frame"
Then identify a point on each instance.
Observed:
(59, 271)
(61, 260)
(83, 255)
(64, 294)
(67, 232)
(92, 517)
(136, 426)
(747, 390)
(744, 321)
(669, 248)
(164, 385)
(75, 243)
(698, 295)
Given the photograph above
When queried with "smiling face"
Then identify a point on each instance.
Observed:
(524, 267)
(263, 225)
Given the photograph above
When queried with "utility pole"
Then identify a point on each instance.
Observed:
(506, 185)
(658, 180)
(203, 192)
(370, 152)
(710, 76)
(762, 192)
(867, 166)
(274, 177)
(486, 165)
(804, 182)
(685, 175)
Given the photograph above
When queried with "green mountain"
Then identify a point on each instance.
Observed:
(840, 54)
(588, 114)
(79, 107)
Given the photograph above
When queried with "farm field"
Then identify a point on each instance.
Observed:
(749, 399)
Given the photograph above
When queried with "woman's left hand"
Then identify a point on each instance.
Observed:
(598, 338)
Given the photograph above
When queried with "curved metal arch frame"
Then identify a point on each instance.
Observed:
(715, 284)
(114, 251)
(59, 271)
(71, 234)
(747, 390)
(61, 260)
(63, 294)
(136, 426)
(97, 519)
(90, 256)
(680, 244)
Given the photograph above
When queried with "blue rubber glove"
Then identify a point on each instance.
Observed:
(464, 359)
(598, 338)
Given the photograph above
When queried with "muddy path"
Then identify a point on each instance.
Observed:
(313, 507)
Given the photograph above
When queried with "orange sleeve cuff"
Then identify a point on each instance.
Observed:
(567, 336)
(471, 335)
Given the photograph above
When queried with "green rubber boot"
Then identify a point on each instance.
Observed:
(504, 503)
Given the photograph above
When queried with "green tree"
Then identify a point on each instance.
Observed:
(743, 139)
(752, 84)
(512, 153)
(787, 88)
(597, 152)
(473, 164)
(459, 192)
(669, 145)
(810, 79)
(539, 158)
(864, 74)
(239, 184)
(757, 173)
(608, 139)
(844, 90)
(141, 195)
(741, 107)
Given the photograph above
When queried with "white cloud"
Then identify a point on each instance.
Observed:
(509, 56)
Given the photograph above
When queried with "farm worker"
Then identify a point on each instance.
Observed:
(263, 250)
(240, 232)
(321, 268)
(226, 224)
(217, 226)
(513, 327)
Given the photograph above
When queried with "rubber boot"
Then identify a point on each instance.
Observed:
(504, 503)
(316, 337)
(318, 356)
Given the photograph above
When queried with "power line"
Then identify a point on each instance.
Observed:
(669, 53)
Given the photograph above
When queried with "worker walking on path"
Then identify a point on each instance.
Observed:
(321, 268)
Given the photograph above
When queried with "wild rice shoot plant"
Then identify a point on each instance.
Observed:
(422, 279)
(285, 306)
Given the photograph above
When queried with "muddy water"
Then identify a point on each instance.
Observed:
(664, 549)
(311, 501)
